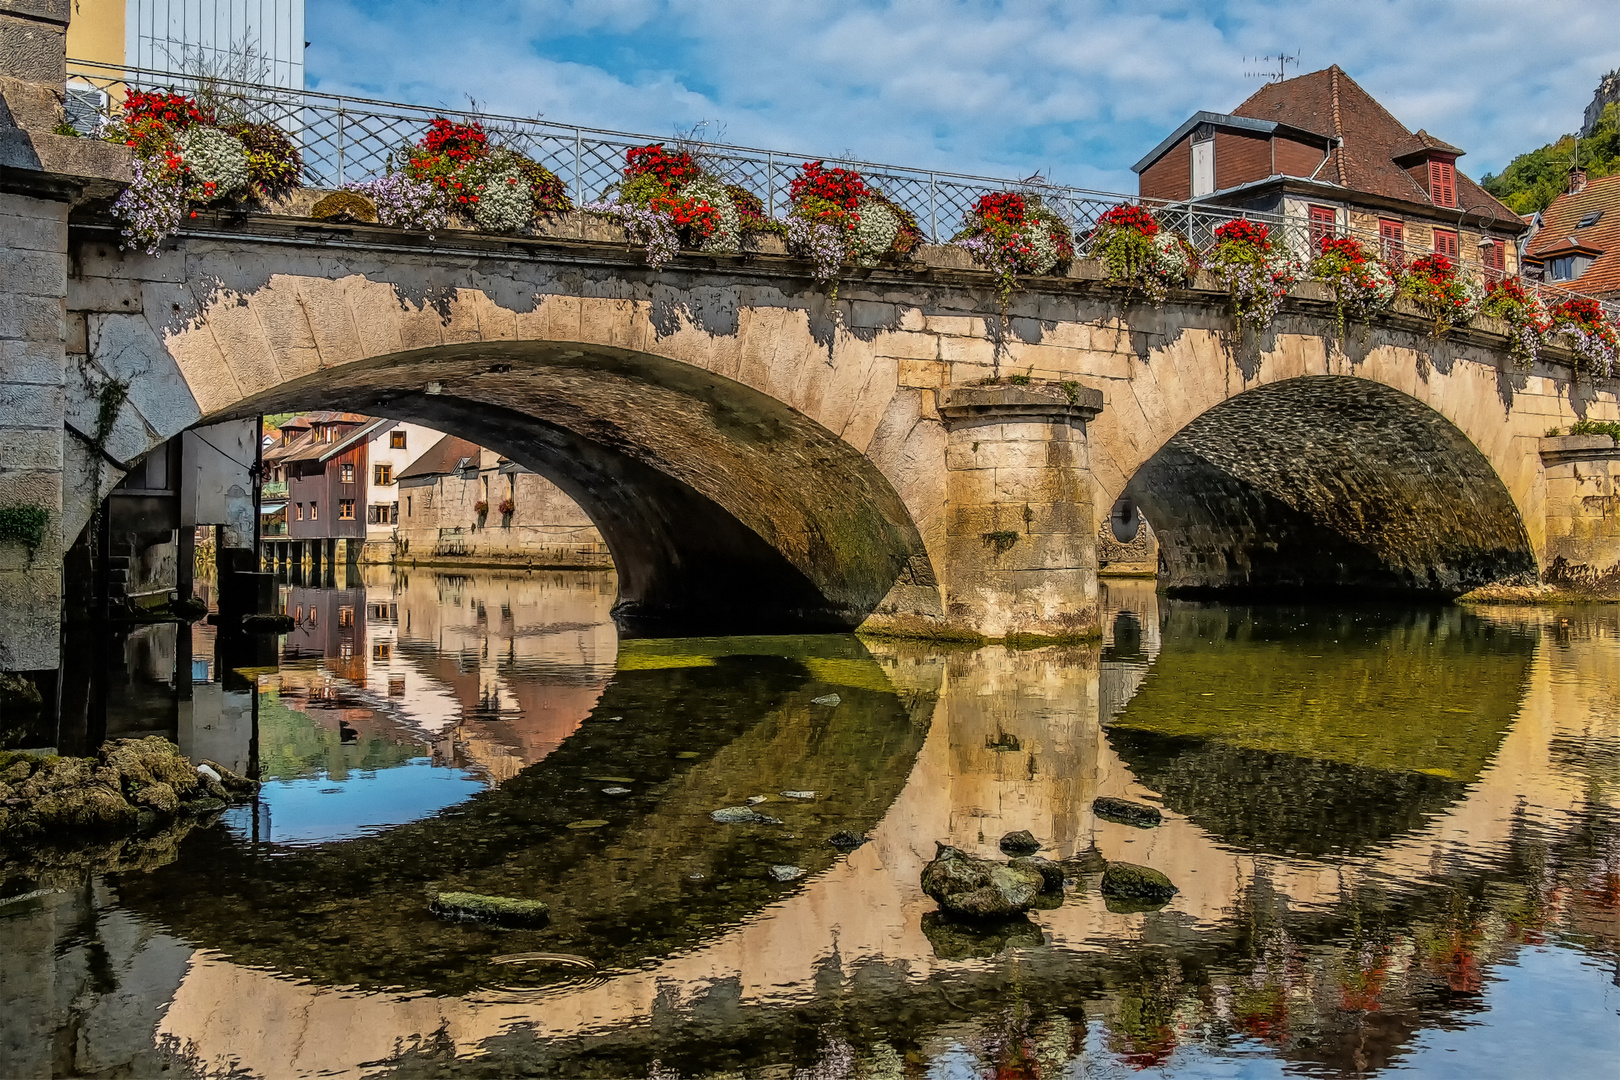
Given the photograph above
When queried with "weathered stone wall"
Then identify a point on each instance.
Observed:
(33, 246)
(1583, 512)
(718, 417)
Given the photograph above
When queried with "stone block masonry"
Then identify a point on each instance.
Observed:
(33, 355)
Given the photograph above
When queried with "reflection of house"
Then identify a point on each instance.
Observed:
(328, 624)
(460, 503)
(1577, 238)
(1319, 150)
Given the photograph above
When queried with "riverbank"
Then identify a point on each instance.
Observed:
(1532, 595)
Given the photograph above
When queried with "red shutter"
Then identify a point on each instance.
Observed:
(1495, 256)
(1445, 243)
(1442, 183)
(1323, 224)
(1393, 238)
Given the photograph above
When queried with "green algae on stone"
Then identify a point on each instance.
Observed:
(1129, 881)
(506, 910)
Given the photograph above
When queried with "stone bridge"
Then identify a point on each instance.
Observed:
(909, 458)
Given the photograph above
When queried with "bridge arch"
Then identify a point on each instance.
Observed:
(724, 507)
(1329, 482)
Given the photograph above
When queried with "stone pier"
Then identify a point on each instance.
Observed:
(1021, 553)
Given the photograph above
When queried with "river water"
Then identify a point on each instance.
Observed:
(1395, 831)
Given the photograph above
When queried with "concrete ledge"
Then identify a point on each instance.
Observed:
(1036, 399)
(1558, 449)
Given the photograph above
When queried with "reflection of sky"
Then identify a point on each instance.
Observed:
(321, 810)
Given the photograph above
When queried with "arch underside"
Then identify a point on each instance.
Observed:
(724, 508)
(1329, 483)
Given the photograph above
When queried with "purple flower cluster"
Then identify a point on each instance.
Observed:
(824, 245)
(1599, 355)
(404, 203)
(648, 227)
(152, 206)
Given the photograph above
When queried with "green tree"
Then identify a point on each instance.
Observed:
(1531, 181)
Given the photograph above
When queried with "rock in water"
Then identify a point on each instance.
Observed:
(846, 841)
(1132, 882)
(786, 873)
(1051, 873)
(742, 815)
(1122, 812)
(973, 888)
(829, 700)
(1022, 842)
(505, 910)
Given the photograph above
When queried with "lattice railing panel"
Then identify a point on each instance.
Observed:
(346, 139)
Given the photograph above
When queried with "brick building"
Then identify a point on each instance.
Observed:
(1319, 150)
(1576, 240)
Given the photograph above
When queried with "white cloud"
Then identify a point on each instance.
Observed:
(1078, 89)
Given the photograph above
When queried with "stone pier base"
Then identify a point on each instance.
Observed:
(1021, 549)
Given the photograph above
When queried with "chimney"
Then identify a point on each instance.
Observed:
(1577, 179)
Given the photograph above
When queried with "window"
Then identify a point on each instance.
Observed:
(1324, 220)
(382, 475)
(1589, 219)
(396, 440)
(407, 506)
(1445, 243)
(380, 651)
(1442, 183)
(345, 650)
(1567, 267)
(1494, 256)
(299, 617)
(1203, 167)
(314, 511)
(345, 616)
(1392, 238)
(345, 509)
(345, 474)
(314, 615)
(383, 514)
(298, 511)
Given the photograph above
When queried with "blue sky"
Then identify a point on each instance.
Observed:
(1077, 90)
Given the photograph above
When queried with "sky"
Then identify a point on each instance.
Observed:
(1075, 90)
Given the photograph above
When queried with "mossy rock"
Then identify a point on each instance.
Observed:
(344, 206)
(1127, 881)
(504, 910)
(1052, 873)
(19, 692)
(973, 888)
(1123, 812)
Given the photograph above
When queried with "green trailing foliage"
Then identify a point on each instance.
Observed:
(1533, 180)
(109, 401)
(25, 525)
(1610, 428)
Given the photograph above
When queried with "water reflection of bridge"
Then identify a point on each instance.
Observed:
(1013, 739)
(1016, 740)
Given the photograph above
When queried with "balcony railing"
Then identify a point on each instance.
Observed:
(346, 139)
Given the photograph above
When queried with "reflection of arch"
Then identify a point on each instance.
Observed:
(1242, 728)
(688, 726)
(1329, 481)
(722, 505)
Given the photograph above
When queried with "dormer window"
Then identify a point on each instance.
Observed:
(1442, 182)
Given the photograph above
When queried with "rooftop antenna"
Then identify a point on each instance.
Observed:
(1271, 68)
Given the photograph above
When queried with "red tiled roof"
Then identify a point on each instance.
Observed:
(1560, 223)
(1332, 102)
(441, 458)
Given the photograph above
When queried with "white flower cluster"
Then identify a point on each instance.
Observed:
(217, 160)
(727, 236)
(1383, 283)
(505, 204)
(1043, 258)
(1172, 261)
(874, 234)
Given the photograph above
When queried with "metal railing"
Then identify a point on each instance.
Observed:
(347, 139)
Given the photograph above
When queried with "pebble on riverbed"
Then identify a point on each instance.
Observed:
(742, 815)
(502, 910)
(1122, 812)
